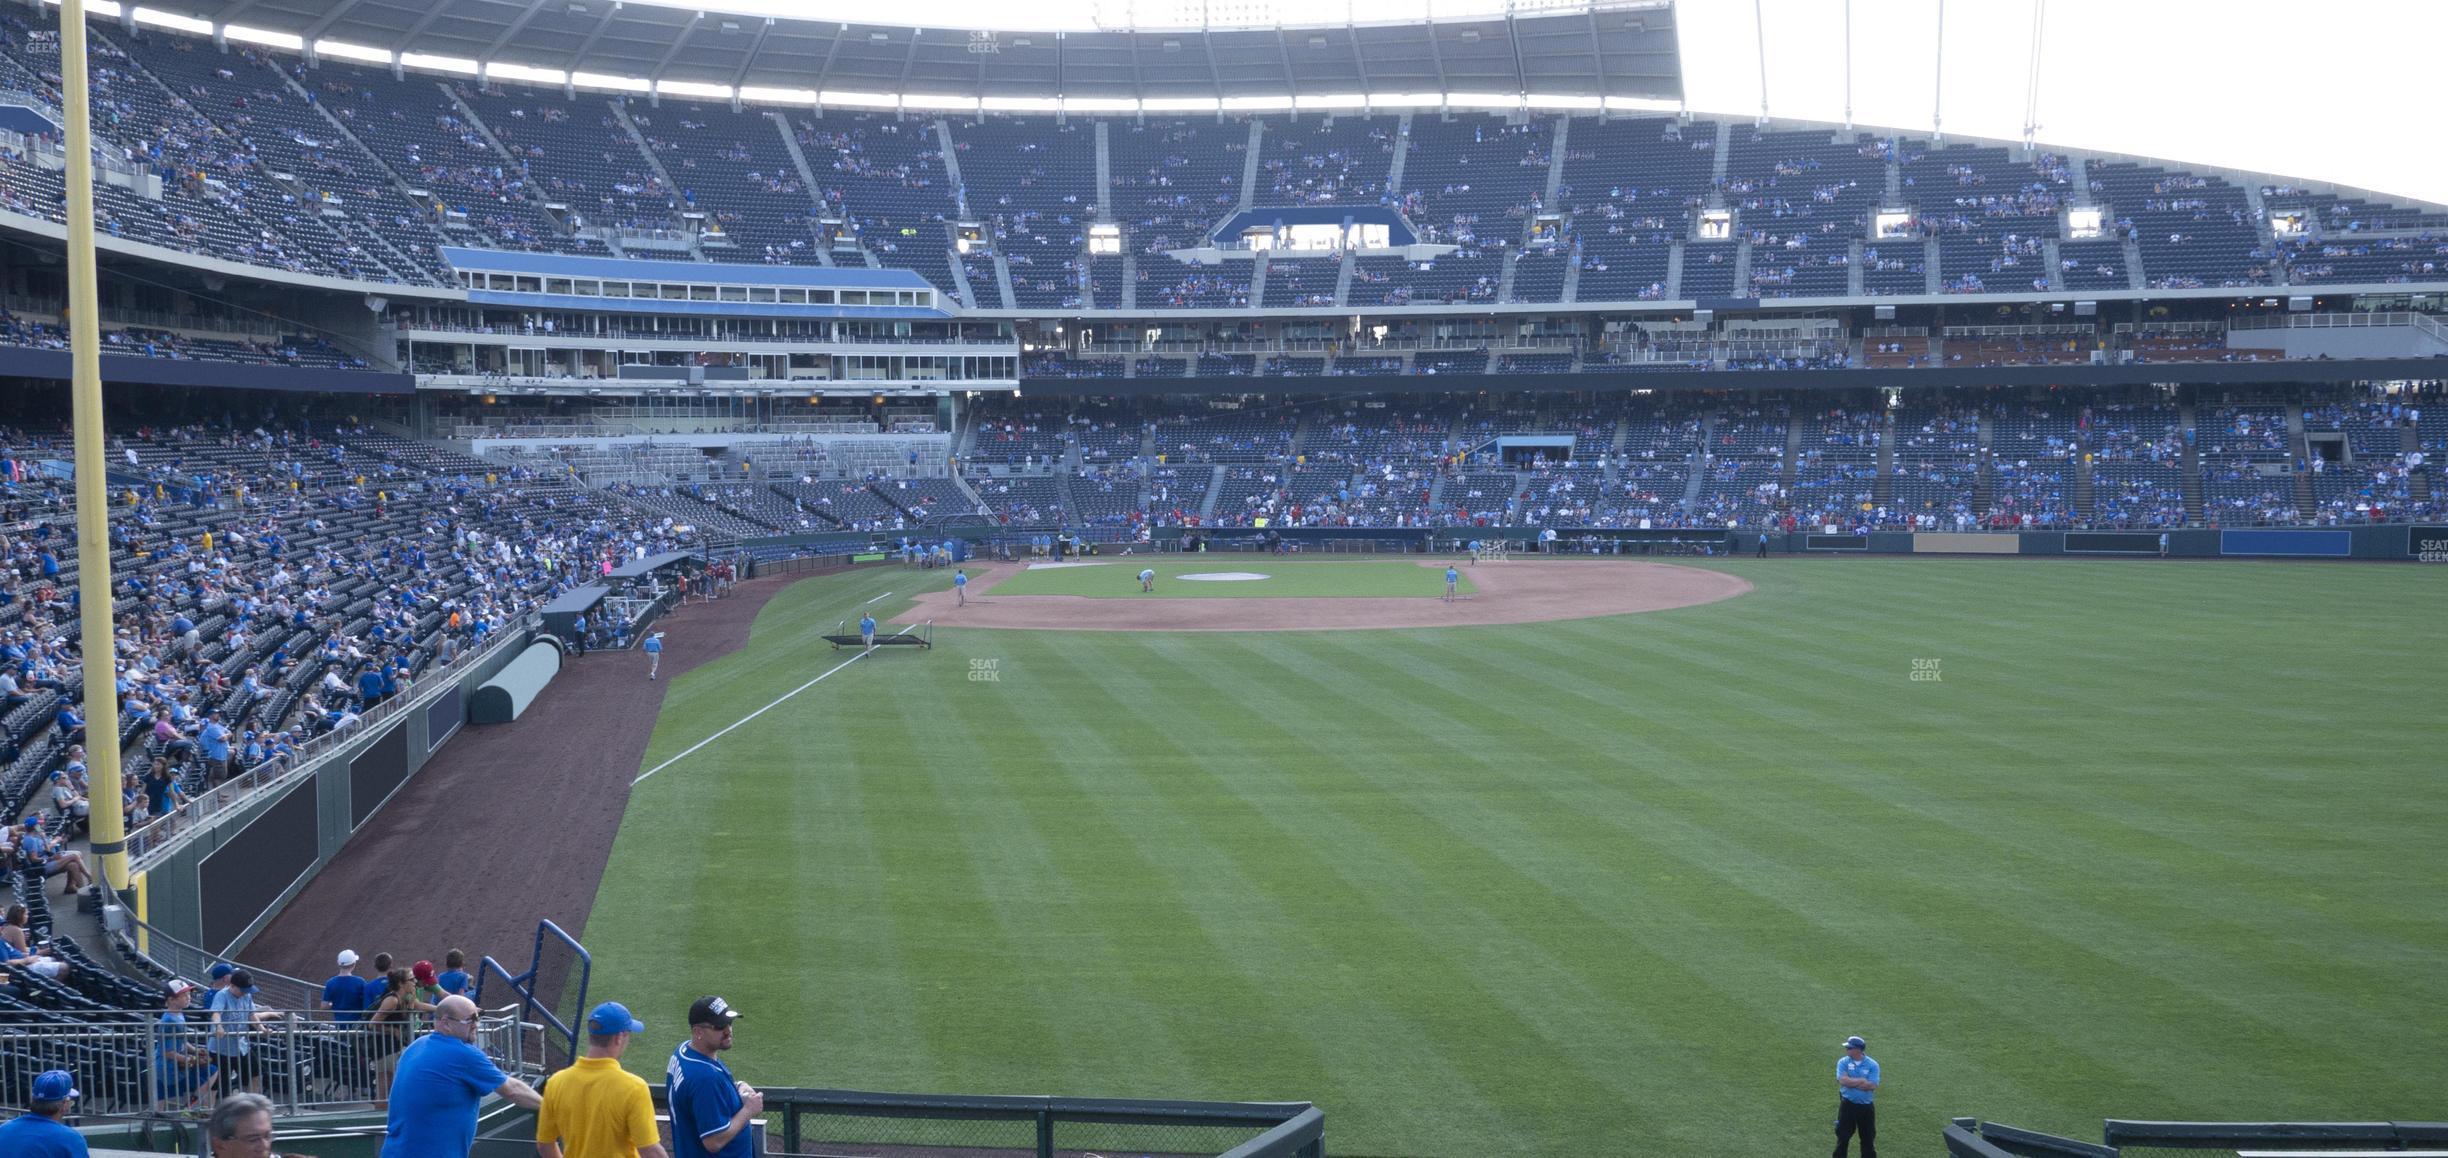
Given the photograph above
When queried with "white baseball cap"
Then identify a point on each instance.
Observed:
(348, 957)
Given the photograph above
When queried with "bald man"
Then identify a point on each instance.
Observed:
(439, 1081)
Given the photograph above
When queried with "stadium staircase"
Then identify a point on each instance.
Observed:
(1003, 279)
(1555, 164)
(620, 112)
(2418, 481)
(1394, 175)
(1343, 276)
(1258, 274)
(1742, 281)
(1104, 185)
(799, 161)
(1792, 466)
(1933, 278)
(1698, 462)
(1853, 267)
(2305, 504)
(1215, 489)
(1249, 165)
(2134, 277)
(1130, 281)
(1504, 281)
(1882, 489)
(1984, 482)
(1674, 269)
(2080, 488)
(960, 279)
(952, 170)
(2056, 263)
(1572, 274)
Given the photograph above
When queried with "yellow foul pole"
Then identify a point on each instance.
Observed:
(92, 489)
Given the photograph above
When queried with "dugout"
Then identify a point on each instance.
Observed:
(561, 615)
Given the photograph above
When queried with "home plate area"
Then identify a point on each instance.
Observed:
(1522, 591)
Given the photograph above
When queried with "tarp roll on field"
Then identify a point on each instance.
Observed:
(508, 693)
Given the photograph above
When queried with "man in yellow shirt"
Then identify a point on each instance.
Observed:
(595, 1109)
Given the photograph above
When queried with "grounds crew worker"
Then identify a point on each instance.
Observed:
(1857, 1083)
(595, 1109)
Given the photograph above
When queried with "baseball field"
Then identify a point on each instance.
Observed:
(2063, 839)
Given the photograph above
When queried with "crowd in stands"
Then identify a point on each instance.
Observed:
(273, 584)
(346, 170)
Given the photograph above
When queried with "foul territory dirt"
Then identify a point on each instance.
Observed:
(511, 823)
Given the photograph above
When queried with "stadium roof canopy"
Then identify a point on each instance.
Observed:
(1581, 51)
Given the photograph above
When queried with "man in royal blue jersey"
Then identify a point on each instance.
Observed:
(710, 1109)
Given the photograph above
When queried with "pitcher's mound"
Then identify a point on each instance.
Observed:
(1516, 591)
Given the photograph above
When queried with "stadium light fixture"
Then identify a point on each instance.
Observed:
(606, 81)
(499, 70)
(264, 36)
(777, 96)
(866, 100)
(161, 19)
(452, 64)
(347, 51)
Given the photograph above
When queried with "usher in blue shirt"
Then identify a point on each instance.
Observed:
(1867, 1067)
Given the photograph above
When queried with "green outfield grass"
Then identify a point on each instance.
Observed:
(2160, 840)
(1286, 577)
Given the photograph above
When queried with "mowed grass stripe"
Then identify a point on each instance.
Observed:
(1736, 865)
(2242, 993)
(1475, 892)
(1335, 941)
(1529, 890)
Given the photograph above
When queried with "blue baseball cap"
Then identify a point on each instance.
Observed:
(613, 1017)
(54, 1086)
(222, 969)
(1856, 1043)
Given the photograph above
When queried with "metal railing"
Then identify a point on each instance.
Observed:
(828, 1121)
(132, 1064)
(2424, 323)
(162, 833)
(275, 990)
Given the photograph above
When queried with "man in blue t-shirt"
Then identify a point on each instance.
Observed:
(653, 647)
(710, 1109)
(1453, 583)
(437, 1084)
(867, 631)
(960, 586)
(40, 1133)
(345, 994)
(1857, 1083)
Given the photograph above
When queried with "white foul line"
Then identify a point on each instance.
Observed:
(873, 600)
(750, 716)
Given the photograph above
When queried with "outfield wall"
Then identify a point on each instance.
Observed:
(226, 879)
(2387, 541)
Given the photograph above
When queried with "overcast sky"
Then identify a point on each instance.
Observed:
(2280, 86)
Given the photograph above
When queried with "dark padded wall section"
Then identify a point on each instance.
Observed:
(375, 773)
(443, 717)
(242, 879)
